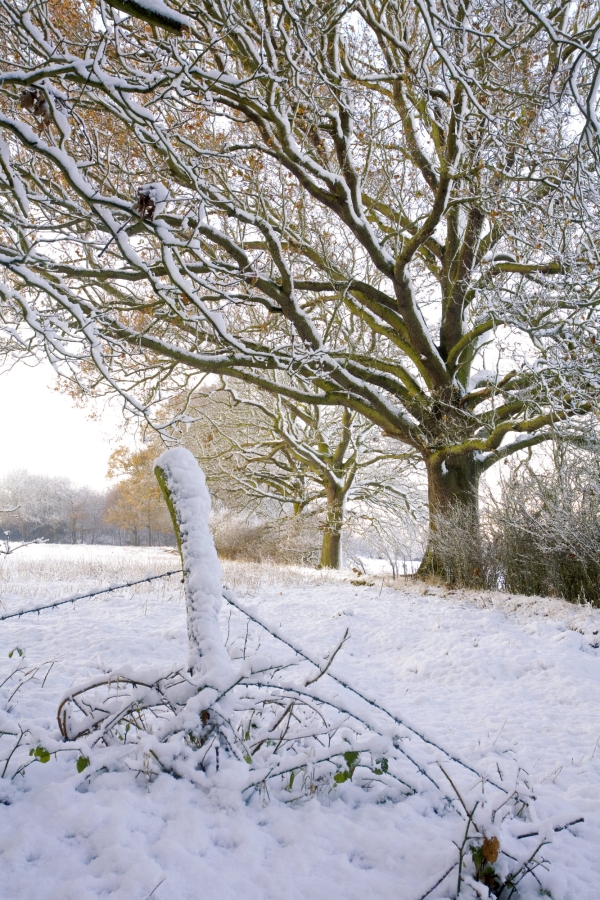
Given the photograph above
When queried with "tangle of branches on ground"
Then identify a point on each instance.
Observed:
(278, 732)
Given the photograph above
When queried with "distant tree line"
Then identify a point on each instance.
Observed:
(43, 506)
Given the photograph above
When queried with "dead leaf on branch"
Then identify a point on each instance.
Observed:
(490, 849)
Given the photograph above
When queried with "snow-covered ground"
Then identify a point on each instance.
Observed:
(509, 685)
(374, 566)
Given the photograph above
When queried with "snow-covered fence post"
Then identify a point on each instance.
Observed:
(182, 482)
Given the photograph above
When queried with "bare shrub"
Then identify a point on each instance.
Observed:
(460, 558)
(294, 540)
(539, 536)
(544, 531)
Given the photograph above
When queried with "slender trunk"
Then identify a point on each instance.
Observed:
(454, 545)
(331, 550)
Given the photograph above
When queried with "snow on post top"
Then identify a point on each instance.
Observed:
(188, 496)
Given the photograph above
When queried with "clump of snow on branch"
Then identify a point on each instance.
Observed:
(151, 200)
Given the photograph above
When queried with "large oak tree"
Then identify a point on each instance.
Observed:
(392, 201)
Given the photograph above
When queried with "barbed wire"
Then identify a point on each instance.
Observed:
(74, 597)
(233, 601)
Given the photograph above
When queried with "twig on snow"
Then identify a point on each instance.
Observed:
(438, 882)
(556, 829)
(153, 891)
(331, 659)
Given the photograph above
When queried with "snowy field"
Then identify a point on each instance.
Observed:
(509, 685)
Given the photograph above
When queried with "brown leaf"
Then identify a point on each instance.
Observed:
(490, 849)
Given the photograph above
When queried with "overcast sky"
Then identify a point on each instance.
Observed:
(43, 431)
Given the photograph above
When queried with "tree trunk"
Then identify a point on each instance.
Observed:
(331, 549)
(454, 545)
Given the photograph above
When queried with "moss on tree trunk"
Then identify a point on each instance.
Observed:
(331, 549)
(454, 545)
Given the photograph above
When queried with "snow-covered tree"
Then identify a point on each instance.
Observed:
(135, 503)
(269, 453)
(390, 201)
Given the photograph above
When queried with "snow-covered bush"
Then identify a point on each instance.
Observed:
(293, 540)
(540, 534)
(543, 533)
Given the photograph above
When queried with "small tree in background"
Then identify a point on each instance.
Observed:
(266, 454)
(135, 503)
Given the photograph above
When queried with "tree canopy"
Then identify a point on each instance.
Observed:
(395, 203)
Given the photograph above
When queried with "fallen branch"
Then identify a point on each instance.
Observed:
(228, 596)
(6, 549)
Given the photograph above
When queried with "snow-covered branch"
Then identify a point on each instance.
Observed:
(375, 210)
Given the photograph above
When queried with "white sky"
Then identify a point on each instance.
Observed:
(43, 431)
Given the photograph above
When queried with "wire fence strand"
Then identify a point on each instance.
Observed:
(74, 597)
